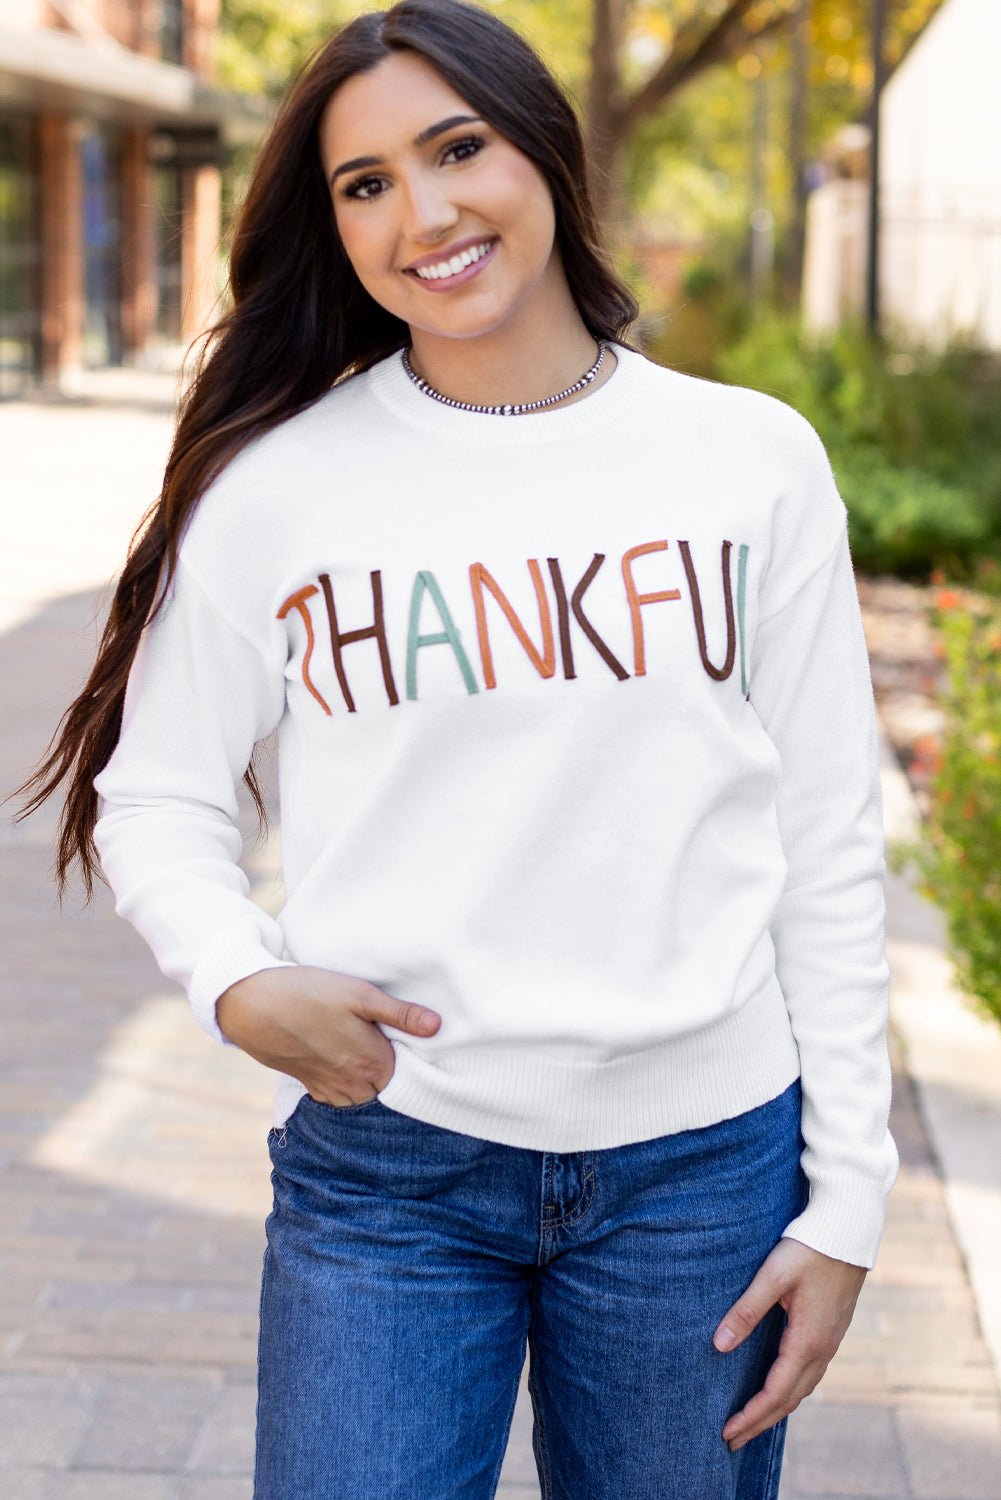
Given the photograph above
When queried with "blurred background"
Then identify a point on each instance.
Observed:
(806, 197)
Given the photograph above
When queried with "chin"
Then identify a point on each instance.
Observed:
(471, 330)
(475, 323)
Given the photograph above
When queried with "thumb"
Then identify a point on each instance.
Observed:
(746, 1313)
(418, 1020)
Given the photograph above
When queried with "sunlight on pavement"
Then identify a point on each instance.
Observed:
(961, 1047)
(164, 1116)
(98, 479)
(168, 1111)
(957, 1055)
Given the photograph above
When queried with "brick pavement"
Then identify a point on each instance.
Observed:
(134, 1170)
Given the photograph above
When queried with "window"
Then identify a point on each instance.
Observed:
(172, 31)
(101, 149)
(168, 251)
(20, 254)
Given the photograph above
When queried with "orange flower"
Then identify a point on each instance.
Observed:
(947, 599)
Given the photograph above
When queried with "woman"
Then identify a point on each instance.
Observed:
(578, 997)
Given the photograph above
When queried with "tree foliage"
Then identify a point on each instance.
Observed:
(663, 87)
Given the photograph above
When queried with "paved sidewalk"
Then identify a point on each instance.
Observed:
(135, 1176)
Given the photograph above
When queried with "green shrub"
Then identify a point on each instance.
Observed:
(912, 435)
(958, 854)
(906, 520)
(712, 314)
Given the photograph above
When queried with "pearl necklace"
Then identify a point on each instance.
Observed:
(505, 411)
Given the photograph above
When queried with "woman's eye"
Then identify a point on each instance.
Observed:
(355, 189)
(473, 140)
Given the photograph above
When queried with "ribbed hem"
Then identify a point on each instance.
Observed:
(391, 384)
(222, 965)
(522, 1098)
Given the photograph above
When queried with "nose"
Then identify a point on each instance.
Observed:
(429, 212)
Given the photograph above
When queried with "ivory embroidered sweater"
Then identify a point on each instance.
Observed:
(577, 746)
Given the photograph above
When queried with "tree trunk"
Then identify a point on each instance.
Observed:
(612, 115)
(760, 243)
(799, 84)
(604, 130)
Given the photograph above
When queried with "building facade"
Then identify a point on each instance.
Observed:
(940, 194)
(112, 139)
(940, 165)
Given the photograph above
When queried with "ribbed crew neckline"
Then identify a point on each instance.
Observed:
(392, 386)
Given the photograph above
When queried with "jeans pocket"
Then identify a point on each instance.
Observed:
(343, 1109)
(314, 1126)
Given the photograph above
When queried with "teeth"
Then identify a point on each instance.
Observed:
(446, 268)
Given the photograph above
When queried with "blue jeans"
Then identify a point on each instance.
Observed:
(407, 1265)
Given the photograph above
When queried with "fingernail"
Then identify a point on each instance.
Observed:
(428, 1020)
(725, 1339)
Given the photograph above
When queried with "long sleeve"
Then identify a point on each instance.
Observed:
(199, 696)
(812, 690)
(480, 683)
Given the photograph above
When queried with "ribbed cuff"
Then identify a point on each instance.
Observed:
(844, 1219)
(232, 959)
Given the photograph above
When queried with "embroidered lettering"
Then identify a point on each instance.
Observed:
(579, 615)
(745, 686)
(545, 664)
(298, 601)
(719, 673)
(378, 630)
(636, 600)
(543, 656)
(449, 636)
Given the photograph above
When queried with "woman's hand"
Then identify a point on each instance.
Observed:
(319, 1026)
(819, 1295)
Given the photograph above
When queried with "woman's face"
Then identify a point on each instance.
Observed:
(425, 200)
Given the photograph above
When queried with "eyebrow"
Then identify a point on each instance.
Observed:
(419, 140)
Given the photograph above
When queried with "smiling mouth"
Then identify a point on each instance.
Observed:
(457, 270)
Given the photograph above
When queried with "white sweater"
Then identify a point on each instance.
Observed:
(577, 747)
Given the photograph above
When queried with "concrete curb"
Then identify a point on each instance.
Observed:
(953, 1058)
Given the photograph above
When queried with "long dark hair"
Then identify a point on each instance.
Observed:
(300, 320)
